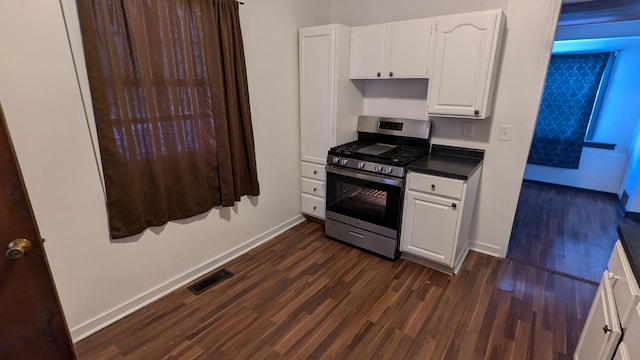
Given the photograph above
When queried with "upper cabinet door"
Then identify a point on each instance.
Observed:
(390, 50)
(367, 51)
(408, 49)
(464, 64)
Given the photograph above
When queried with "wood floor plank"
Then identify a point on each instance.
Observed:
(304, 296)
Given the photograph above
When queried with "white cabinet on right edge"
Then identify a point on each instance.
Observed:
(614, 314)
(464, 65)
(437, 219)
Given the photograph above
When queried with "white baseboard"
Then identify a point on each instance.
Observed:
(486, 249)
(99, 322)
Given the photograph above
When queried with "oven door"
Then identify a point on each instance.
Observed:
(368, 201)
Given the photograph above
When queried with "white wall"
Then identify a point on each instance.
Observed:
(99, 280)
(599, 169)
(530, 30)
(631, 181)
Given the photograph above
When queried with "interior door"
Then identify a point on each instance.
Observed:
(31, 322)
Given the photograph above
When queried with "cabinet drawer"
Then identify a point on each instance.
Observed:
(313, 187)
(312, 205)
(625, 289)
(313, 171)
(436, 185)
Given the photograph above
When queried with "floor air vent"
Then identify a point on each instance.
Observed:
(209, 281)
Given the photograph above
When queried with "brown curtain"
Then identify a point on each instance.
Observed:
(169, 89)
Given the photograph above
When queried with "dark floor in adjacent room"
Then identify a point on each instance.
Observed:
(303, 296)
(564, 230)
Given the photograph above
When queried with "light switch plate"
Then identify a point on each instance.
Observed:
(505, 133)
(468, 129)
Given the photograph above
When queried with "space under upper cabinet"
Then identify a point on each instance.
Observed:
(464, 63)
(391, 50)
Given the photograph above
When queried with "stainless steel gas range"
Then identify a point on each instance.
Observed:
(365, 182)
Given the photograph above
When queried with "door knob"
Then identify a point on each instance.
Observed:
(17, 248)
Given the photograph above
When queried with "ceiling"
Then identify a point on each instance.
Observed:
(577, 12)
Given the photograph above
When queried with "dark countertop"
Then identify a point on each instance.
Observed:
(448, 161)
(630, 238)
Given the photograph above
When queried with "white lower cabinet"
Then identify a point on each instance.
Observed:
(430, 227)
(631, 343)
(614, 315)
(312, 205)
(312, 185)
(437, 219)
(602, 330)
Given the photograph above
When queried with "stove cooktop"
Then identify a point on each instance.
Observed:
(398, 155)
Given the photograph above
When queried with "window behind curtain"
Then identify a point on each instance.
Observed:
(567, 103)
(169, 90)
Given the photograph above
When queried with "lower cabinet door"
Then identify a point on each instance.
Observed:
(631, 340)
(429, 227)
(622, 353)
(601, 332)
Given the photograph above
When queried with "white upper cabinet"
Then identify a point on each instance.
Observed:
(464, 64)
(367, 51)
(391, 50)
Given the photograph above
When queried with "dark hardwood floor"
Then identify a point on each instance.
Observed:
(303, 296)
(565, 230)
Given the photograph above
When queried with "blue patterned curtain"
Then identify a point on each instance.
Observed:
(565, 109)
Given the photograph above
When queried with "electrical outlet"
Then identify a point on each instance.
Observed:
(505, 133)
(468, 129)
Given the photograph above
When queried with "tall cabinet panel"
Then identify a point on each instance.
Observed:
(329, 106)
(464, 64)
(316, 93)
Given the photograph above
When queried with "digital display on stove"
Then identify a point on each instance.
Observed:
(388, 125)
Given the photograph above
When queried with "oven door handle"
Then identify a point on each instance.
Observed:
(363, 176)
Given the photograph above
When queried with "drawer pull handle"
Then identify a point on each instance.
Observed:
(356, 234)
(314, 208)
(433, 187)
(315, 172)
(454, 206)
(606, 329)
(315, 189)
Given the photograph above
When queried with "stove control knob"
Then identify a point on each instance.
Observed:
(361, 165)
(344, 162)
(388, 170)
(335, 159)
(378, 168)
